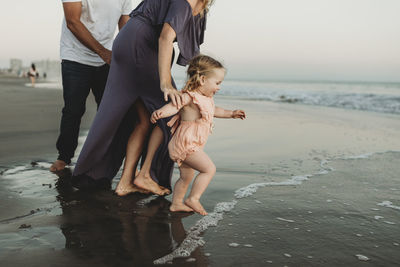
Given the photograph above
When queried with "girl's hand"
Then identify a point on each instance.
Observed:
(156, 115)
(173, 94)
(238, 114)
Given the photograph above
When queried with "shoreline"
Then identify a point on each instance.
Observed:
(270, 155)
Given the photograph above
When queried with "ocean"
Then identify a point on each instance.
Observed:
(377, 97)
(369, 96)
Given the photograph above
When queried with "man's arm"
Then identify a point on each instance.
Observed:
(72, 12)
(122, 21)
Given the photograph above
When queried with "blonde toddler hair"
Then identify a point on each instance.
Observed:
(198, 66)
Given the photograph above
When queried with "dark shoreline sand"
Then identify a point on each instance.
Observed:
(324, 221)
(29, 121)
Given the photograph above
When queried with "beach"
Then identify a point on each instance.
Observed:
(297, 184)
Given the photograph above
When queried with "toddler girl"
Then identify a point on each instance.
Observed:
(190, 129)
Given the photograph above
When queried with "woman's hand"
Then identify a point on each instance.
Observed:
(156, 115)
(238, 114)
(173, 94)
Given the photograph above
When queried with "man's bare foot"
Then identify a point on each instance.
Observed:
(145, 182)
(180, 207)
(58, 165)
(123, 190)
(196, 206)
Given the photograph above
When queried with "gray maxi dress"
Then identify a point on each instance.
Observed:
(134, 74)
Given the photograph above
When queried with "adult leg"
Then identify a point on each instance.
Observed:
(133, 151)
(99, 81)
(199, 161)
(76, 86)
(180, 189)
(143, 179)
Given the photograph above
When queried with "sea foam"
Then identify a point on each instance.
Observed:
(193, 238)
(388, 204)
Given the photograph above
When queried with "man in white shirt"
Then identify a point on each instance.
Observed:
(85, 49)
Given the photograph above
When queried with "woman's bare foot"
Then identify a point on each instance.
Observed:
(196, 206)
(180, 207)
(165, 190)
(145, 182)
(58, 165)
(123, 190)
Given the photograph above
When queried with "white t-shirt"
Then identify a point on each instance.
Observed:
(101, 19)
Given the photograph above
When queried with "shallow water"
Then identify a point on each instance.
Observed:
(344, 212)
(327, 220)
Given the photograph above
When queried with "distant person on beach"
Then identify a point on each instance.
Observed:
(32, 74)
(139, 83)
(190, 129)
(86, 39)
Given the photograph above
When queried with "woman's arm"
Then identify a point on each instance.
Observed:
(165, 48)
(225, 113)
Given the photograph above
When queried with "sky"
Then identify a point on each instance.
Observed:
(256, 39)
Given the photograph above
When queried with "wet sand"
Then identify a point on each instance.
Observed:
(30, 119)
(305, 201)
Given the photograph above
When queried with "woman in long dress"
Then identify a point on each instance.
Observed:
(140, 82)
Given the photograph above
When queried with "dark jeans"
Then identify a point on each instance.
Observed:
(77, 81)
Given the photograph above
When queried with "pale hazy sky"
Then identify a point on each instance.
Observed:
(263, 39)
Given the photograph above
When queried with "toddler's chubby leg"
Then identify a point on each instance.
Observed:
(201, 162)
(180, 189)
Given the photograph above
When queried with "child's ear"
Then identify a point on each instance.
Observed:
(202, 79)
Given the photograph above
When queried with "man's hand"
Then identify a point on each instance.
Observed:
(105, 55)
(238, 114)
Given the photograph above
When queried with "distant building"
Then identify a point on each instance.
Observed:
(16, 66)
(52, 68)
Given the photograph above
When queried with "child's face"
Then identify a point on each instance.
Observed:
(211, 83)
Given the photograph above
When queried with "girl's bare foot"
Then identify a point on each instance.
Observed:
(196, 206)
(123, 190)
(180, 207)
(58, 165)
(146, 182)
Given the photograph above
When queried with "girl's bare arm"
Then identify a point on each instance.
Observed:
(225, 113)
(169, 109)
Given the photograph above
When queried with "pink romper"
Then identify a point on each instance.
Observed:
(191, 136)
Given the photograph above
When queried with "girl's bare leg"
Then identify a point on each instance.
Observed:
(133, 151)
(143, 179)
(199, 161)
(180, 189)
